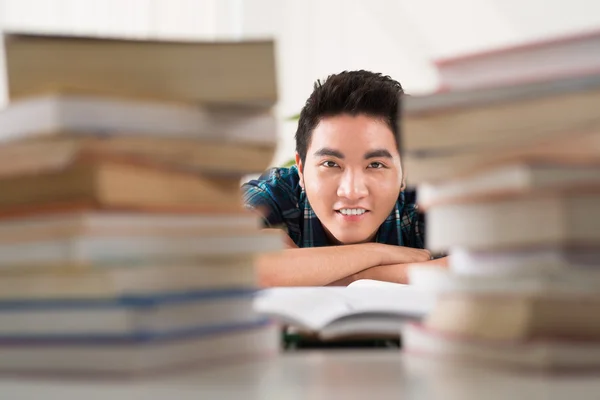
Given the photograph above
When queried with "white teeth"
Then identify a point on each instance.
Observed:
(352, 211)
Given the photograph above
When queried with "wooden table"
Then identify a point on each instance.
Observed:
(327, 375)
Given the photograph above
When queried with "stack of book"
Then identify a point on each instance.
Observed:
(509, 176)
(124, 247)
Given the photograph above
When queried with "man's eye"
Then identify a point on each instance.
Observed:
(329, 164)
(376, 165)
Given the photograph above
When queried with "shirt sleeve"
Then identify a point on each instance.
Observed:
(257, 198)
(272, 195)
(413, 221)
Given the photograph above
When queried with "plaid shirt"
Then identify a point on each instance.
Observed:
(282, 201)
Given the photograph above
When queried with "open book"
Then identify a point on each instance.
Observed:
(364, 308)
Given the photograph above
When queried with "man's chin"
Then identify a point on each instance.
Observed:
(353, 239)
(344, 236)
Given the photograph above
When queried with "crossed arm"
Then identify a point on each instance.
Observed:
(338, 265)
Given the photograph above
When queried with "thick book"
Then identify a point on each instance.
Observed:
(378, 310)
(501, 118)
(117, 249)
(562, 218)
(517, 316)
(543, 353)
(77, 223)
(509, 179)
(198, 156)
(120, 183)
(543, 261)
(97, 280)
(124, 317)
(531, 278)
(577, 149)
(543, 59)
(234, 72)
(163, 354)
(85, 115)
(70, 240)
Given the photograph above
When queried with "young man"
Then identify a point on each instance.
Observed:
(343, 205)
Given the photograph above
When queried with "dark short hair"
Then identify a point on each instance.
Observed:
(353, 93)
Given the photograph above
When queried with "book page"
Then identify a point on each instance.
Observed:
(315, 307)
(375, 283)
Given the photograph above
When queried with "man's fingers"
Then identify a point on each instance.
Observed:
(410, 255)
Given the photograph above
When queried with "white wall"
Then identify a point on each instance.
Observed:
(319, 37)
(398, 38)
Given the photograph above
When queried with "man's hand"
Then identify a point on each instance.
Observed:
(397, 273)
(401, 255)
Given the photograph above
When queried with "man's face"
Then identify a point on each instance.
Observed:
(352, 176)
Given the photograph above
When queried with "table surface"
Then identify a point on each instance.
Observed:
(374, 374)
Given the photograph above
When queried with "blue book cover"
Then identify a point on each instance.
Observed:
(134, 338)
(129, 301)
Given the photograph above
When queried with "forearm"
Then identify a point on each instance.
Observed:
(316, 266)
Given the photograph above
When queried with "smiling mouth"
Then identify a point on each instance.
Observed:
(352, 212)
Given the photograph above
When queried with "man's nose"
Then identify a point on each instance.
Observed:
(352, 185)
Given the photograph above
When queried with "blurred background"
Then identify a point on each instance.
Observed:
(317, 37)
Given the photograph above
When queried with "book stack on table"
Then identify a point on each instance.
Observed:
(124, 247)
(509, 174)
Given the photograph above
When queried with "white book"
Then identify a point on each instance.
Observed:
(508, 180)
(332, 312)
(137, 249)
(567, 218)
(131, 316)
(569, 281)
(525, 262)
(538, 353)
(140, 357)
(105, 116)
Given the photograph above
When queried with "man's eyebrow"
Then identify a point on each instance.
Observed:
(378, 153)
(326, 151)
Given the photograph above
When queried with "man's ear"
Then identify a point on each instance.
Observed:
(403, 184)
(300, 170)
